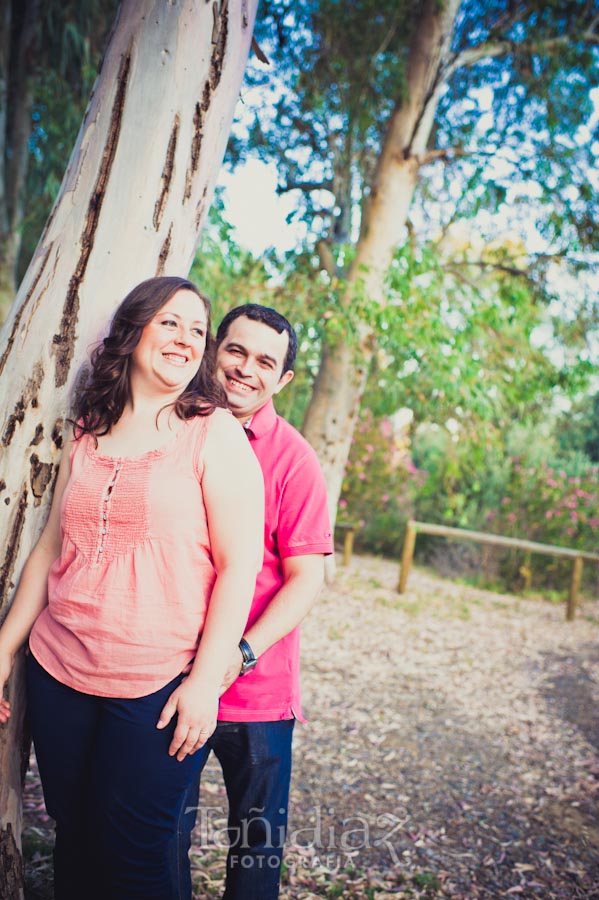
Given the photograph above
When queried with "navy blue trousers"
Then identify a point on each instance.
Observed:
(255, 758)
(115, 794)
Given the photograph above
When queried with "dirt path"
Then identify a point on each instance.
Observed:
(452, 749)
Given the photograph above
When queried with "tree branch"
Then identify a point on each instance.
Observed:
(445, 154)
(517, 272)
(327, 260)
(305, 186)
(493, 49)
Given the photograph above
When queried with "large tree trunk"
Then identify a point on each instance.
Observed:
(338, 389)
(132, 204)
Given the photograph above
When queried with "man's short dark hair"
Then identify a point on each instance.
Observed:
(267, 316)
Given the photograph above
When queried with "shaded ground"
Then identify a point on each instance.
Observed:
(452, 750)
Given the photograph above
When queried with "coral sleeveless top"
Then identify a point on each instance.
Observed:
(128, 596)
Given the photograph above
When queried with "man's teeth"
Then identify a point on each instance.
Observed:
(240, 385)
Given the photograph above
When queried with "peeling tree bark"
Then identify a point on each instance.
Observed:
(339, 386)
(132, 204)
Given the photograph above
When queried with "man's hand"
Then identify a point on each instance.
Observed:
(196, 718)
(233, 670)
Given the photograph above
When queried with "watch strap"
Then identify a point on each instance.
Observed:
(249, 657)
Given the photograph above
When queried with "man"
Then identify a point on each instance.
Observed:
(256, 349)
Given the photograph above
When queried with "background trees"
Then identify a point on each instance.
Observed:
(49, 55)
(442, 156)
(395, 119)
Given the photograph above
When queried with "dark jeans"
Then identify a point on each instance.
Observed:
(256, 761)
(115, 793)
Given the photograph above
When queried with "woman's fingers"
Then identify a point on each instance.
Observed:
(4, 710)
(188, 739)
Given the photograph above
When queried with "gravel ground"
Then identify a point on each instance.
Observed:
(452, 750)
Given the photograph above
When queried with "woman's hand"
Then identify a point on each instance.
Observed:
(196, 717)
(6, 664)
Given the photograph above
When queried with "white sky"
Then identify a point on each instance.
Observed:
(256, 211)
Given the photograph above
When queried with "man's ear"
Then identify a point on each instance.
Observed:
(283, 380)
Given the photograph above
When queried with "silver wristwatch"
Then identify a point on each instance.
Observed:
(249, 658)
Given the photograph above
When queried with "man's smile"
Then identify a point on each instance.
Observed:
(239, 385)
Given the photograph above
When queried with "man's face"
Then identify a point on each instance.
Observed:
(249, 362)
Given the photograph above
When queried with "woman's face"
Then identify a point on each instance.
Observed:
(172, 345)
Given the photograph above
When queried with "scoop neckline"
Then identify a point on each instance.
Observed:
(156, 452)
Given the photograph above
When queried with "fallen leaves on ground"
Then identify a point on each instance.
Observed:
(452, 750)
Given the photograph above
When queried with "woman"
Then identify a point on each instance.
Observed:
(154, 540)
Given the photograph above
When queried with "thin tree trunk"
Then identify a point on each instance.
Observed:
(338, 389)
(132, 204)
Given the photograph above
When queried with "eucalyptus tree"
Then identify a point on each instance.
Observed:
(486, 105)
(49, 56)
(131, 205)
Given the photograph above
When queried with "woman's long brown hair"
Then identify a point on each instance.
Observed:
(101, 399)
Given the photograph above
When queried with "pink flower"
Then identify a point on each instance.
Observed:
(369, 448)
(386, 428)
(551, 482)
(505, 500)
(342, 504)
(512, 517)
(549, 514)
(362, 476)
(385, 498)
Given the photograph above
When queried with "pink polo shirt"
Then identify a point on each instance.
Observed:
(296, 524)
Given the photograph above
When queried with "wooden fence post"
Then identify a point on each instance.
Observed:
(574, 588)
(407, 556)
(348, 546)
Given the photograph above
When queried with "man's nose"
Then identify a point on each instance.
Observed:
(244, 368)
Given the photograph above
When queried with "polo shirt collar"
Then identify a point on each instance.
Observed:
(262, 421)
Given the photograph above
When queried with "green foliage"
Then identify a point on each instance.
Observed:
(523, 123)
(340, 70)
(578, 429)
(465, 343)
(379, 484)
(550, 506)
(71, 37)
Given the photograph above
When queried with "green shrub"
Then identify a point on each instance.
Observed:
(379, 485)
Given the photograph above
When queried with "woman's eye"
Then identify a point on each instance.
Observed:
(170, 323)
(198, 332)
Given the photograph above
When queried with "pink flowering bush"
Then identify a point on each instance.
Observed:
(550, 507)
(379, 485)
